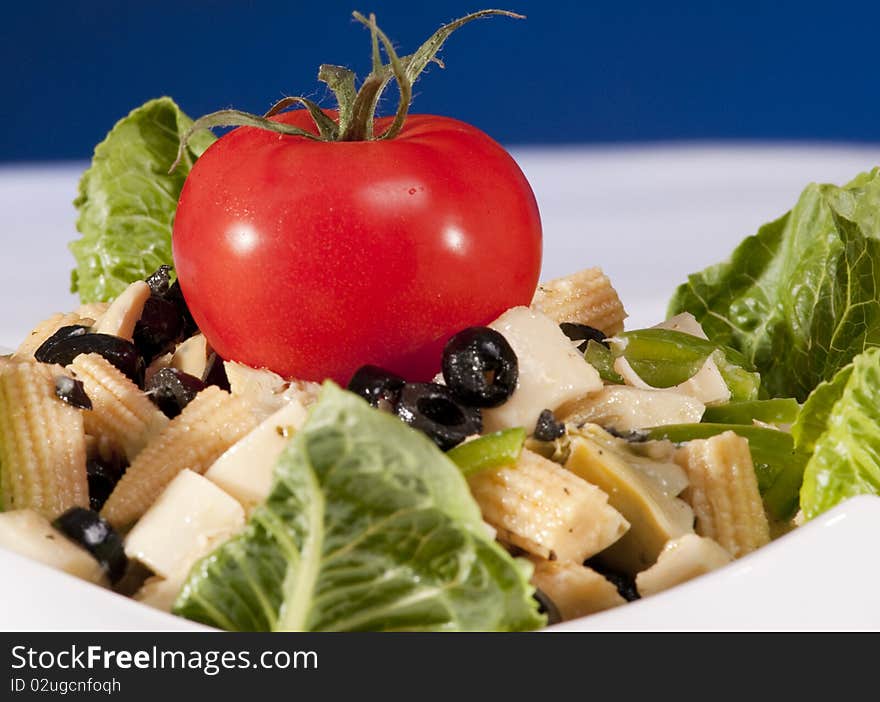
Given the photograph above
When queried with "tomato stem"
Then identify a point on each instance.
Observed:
(356, 106)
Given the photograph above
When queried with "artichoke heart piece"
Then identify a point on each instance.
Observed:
(655, 516)
(626, 408)
(545, 510)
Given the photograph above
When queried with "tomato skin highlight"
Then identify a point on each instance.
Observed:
(314, 258)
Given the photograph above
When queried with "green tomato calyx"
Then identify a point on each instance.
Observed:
(356, 107)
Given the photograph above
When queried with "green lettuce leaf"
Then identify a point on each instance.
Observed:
(800, 298)
(840, 422)
(368, 527)
(127, 199)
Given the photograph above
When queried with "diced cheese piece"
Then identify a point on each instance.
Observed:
(31, 535)
(682, 559)
(551, 371)
(654, 516)
(189, 519)
(124, 312)
(706, 385)
(575, 589)
(160, 593)
(245, 470)
(685, 323)
(626, 408)
(192, 356)
(546, 510)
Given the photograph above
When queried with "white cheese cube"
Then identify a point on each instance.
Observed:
(245, 470)
(191, 356)
(190, 518)
(31, 535)
(551, 371)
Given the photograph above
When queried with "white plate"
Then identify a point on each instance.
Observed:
(648, 216)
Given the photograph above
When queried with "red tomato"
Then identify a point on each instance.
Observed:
(313, 258)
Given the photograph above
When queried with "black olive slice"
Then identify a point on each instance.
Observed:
(215, 373)
(584, 333)
(479, 367)
(434, 410)
(547, 427)
(377, 386)
(95, 535)
(171, 390)
(102, 477)
(547, 606)
(123, 354)
(159, 328)
(72, 392)
(160, 280)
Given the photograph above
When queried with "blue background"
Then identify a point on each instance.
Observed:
(572, 72)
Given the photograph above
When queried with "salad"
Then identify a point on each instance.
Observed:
(291, 399)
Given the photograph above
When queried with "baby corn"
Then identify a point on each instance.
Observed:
(546, 510)
(121, 413)
(585, 297)
(724, 493)
(208, 425)
(42, 442)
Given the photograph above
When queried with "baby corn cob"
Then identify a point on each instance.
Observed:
(546, 510)
(208, 425)
(575, 589)
(42, 442)
(585, 297)
(121, 413)
(92, 310)
(45, 329)
(724, 493)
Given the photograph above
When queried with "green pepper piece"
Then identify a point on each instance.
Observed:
(501, 448)
(664, 358)
(780, 410)
(602, 359)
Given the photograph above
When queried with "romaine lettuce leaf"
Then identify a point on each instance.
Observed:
(800, 298)
(127, 199)
(841, 423)
(368, 527)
